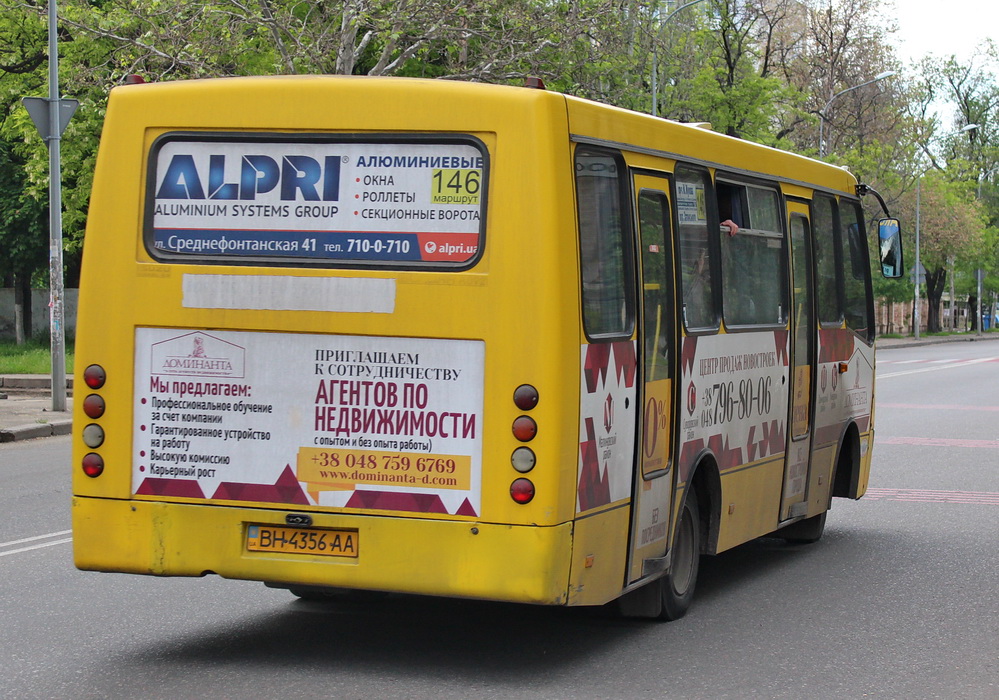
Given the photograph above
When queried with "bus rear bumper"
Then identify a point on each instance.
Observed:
(516, 563)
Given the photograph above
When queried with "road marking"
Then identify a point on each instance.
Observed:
(937, 442)
(936, 368)
(930, 496)
(939, 406)
(927, 360)
(40, 545)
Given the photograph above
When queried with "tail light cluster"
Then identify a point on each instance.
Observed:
(525, 428)
(94, 377)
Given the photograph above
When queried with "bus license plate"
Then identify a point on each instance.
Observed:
(329, 543)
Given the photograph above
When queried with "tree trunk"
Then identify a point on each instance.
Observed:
(22, 308)
(934, 291)
(973, 311)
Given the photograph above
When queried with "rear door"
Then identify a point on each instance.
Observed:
(654, 473)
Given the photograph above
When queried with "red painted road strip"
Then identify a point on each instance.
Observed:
(937, 442)
(929, 496)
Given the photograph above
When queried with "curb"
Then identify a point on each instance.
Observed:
(38, 382)
(896, 343)
(36, 430)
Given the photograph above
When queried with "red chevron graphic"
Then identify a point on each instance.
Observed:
(780, 344)
(627, 363)
(595, 366)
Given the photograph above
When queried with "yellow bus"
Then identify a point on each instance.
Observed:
(451, 339)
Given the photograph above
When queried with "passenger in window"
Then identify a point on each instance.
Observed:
(697, 298)
(730, 208)
(738, 259)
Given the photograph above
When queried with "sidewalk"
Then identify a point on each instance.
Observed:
(26, 400)
(891, 343)
(26, 408)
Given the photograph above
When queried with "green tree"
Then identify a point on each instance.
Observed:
(952, 226)
(23, 236)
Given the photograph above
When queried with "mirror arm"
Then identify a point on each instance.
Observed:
(863, 190)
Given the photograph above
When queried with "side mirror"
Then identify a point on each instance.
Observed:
(890, 246)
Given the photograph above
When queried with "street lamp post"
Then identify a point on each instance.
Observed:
(915, 269)
(655, 55)
(824, 110)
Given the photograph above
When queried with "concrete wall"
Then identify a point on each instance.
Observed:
(39, 312)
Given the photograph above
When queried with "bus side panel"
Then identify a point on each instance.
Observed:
(433, 557)
(861, 379)
(599, 557)
(735, 409)
(750, 502)
(845, 394)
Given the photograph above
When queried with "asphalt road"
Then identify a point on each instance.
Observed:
(898, 600)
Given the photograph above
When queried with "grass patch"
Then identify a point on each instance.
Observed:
(34, 357)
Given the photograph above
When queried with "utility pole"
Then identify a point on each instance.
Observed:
(51, 117)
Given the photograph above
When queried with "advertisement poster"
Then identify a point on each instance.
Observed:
(316, 199)
(606, 424)
(341, 421)
(691, 205)
(734, 398)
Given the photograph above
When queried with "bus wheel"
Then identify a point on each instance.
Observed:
(804, 531)
(677, 588)
(668, 598)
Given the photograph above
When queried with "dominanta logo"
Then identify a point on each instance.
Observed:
(295, 177)
(198, 354)
(608, 413)
(691, 398)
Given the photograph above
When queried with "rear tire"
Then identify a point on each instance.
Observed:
(677, 587)
(804, 531)
(669, 597)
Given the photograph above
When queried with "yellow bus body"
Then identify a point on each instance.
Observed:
(520, 300)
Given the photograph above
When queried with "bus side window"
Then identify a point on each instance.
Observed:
(606, 257)
(697, 278)
(754, 273)
(857, 295)
(824, 237)
(731, 203)
(657, 279)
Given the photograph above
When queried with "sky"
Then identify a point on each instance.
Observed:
(944, 27)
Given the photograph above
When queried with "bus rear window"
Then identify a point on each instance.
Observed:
(286, 199)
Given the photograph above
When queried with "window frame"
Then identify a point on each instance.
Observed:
(837, 258)
(863, 264)
(714, 252)
(746, 184)
(626, 234)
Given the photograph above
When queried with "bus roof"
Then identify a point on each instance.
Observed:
(313, 102)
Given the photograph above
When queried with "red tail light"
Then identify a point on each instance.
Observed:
(524, 428)
(93, 406)
(93, 464)
(522, 491)
(94, 376)
(525, 397)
